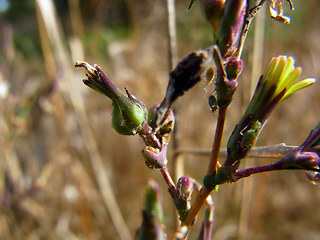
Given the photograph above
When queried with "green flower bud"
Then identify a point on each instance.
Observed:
(212, 10)
(117, 121)
(152, 223)
(128, 112)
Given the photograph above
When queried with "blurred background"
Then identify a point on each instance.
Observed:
(66, 174)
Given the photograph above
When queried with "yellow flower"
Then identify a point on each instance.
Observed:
(283, 75)
(277, 84)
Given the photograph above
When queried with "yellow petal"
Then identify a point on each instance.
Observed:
(270, 70)
(289, 80)
(303, 84)
(274, 79)
(288, 68)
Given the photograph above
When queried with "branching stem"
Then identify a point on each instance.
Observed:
(196, 206)
(249, 171)
(205, 192)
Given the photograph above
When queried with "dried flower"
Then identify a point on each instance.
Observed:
(277, 12)
(186, 74)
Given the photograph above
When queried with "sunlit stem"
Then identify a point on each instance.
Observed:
(213, 163)
(250, 14)
(167, 177)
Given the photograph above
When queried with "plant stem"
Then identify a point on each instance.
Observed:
(265, 168)
(217, 141)
(166, 175)
(273, 151)
(205, 192)
(196, 206)
(250, 14)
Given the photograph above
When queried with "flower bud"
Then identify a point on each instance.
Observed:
(128, 112)
(234, 68)
(118, 123)
(212, 10)
(302, 160)
(229, 26)
(224, 87)
(155, 158)
(152, 223)
(182, 199)
(185, 186)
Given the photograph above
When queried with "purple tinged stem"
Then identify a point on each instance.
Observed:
(249, 171)
(167, 177)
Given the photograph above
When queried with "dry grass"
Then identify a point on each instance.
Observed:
(59, 155)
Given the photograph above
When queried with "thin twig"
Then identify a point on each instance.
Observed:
(217, 141)
(195, 208)
(243, 173)
(274, 151)
(205, 192)
(249, 16)
(168, 180)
